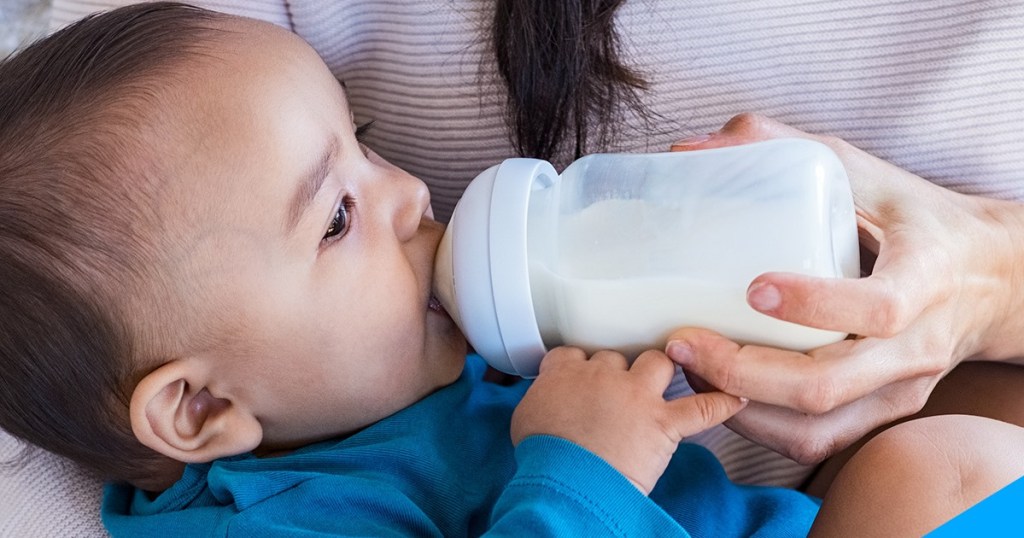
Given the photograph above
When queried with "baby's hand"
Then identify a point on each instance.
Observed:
(616, 411)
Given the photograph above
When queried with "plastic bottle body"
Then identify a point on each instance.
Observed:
(619, 250)
(625, 249)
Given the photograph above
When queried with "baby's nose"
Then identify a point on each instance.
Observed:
(415, 204)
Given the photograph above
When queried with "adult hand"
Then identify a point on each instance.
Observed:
(945, 286)
(615, 410)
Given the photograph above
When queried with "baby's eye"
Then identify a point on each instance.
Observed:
(340, 223)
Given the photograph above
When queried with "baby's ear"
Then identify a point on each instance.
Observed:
(173, 412)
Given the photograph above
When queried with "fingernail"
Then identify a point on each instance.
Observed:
(691, 141)
(680, 352)
(764, 297)
(744, 401)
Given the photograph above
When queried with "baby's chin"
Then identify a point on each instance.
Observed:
(446, 346)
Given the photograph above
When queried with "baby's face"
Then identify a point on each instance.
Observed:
(306, 253)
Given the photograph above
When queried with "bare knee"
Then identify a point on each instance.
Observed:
(917, 475)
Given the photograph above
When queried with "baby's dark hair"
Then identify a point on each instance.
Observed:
(73, 199)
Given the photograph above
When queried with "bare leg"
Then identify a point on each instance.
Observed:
(985, 389)
(917, 475)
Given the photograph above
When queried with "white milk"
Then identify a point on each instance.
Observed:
(619, 250)
(629, 272)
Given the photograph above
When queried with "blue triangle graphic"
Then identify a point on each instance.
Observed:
(1001, 514)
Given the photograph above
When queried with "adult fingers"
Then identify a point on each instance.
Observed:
(882, 304)
(809, 439)
(691, 415)
(749, 371)
(814, 383)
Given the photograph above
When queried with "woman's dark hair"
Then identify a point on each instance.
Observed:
(560, 61)
(72, 204)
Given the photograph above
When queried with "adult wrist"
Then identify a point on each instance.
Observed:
(1003, 254)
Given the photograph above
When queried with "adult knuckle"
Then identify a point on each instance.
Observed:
(715, 365)
(892, 315)
(915, 403)
(723, 376)
(813, 448)
(934, 353)
(934, 363)
(824, 395)
(914, 400)
(747, 122)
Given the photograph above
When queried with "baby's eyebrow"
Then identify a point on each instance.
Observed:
(310, 184)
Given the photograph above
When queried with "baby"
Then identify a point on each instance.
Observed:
(219, 300)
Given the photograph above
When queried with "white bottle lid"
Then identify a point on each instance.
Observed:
(484, 254)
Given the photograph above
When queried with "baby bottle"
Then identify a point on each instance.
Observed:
(622, 249)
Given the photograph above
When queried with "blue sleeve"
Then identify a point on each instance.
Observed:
(561, 489)
(557, 489)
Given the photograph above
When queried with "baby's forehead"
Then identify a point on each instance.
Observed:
(246, 58)
(244, 123)
(255, 44)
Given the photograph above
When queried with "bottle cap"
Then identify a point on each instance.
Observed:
(481, 272)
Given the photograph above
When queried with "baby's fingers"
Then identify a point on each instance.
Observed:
(694, 414)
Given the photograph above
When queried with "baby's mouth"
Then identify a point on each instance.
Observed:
(435, 305)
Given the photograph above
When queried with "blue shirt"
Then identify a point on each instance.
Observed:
(445, 466)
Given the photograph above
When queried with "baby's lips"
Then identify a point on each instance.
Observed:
(435, 305)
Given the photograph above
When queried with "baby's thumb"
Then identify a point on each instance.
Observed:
(694, 414)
